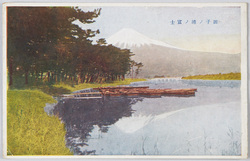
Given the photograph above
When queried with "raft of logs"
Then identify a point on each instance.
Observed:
(132, 91)
(144, 91)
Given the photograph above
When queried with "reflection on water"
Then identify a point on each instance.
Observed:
(80, 116)
(207, 124)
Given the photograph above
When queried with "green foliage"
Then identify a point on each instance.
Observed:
(228, 76)
(137, 70)
(38, 37)
(44, 43)
(30, 131)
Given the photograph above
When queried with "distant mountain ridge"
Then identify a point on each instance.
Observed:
(160, 58)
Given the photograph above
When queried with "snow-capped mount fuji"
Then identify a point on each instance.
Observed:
(160, 58)
(129, 38)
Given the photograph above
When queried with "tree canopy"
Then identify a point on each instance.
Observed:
(42, 42)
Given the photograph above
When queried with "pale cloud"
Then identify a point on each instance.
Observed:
(155, 23)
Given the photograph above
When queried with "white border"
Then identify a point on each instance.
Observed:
(240, 4)
(244, 79)
(244, 76)
(4, 79)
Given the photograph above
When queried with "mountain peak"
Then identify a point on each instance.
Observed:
(130, 38)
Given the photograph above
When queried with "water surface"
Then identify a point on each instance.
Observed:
(207, 124)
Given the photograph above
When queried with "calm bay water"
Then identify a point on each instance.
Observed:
(207, 124)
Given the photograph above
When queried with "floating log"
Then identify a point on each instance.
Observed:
(133, 91)
(121, 87)
(82, 97)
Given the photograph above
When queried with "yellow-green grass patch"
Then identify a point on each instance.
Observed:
(228, 76)
(30, 131)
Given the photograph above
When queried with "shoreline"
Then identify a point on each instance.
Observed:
(31, 101)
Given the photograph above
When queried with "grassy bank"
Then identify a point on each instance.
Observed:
(228, 76)
(30, 131)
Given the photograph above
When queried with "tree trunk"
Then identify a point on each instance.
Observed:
(55, 76)
(26, 76)
(48, 76)
(62, 77)
(75, 79)
(10, 71)
(58, 77)
(41, 75)
(101, 80)
(108, 78)
(82, 78)
(79, 78)
(112, 77)
(87, 79)
(132, 72)
(52, 76)
(91, 79)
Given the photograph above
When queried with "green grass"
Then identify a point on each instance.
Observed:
(228, 76)
(30, 131)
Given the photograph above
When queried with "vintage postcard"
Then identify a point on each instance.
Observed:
(125, 80)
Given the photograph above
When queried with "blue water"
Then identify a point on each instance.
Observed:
(207, 124)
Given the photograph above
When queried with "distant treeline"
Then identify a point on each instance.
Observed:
(42, 42)
(228, 76)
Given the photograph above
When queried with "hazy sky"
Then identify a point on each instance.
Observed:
(203, 29)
